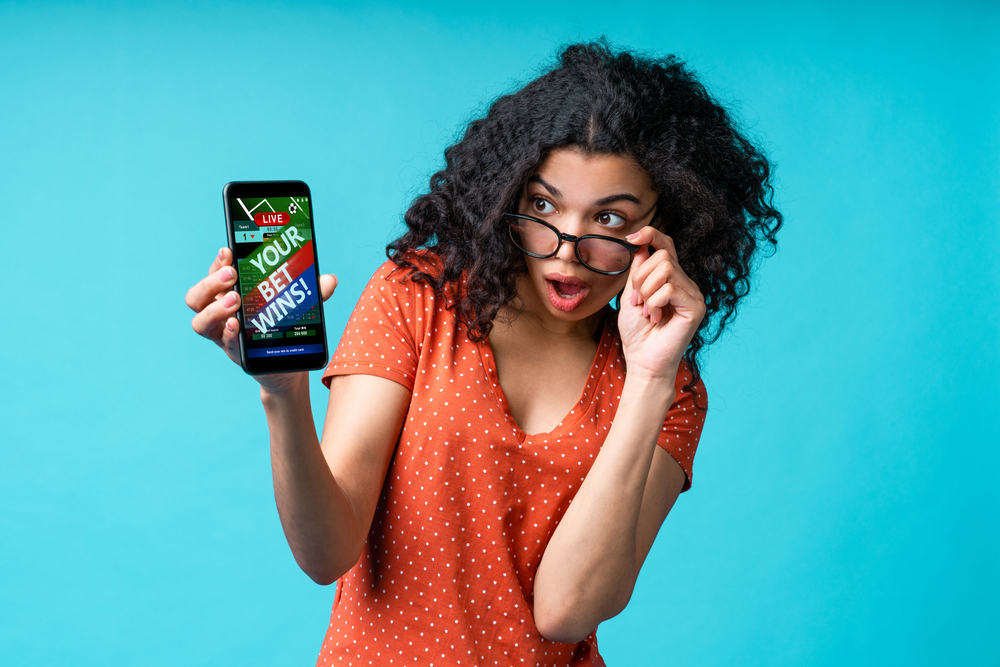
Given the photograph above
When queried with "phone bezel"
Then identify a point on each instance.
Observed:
(292, 363)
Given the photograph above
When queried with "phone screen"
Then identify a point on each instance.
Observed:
(282, 316)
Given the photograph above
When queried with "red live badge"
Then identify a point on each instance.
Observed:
(278, 219)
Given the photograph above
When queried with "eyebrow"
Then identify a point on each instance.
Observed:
(624, 196)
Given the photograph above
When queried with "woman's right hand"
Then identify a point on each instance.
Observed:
(215, 304)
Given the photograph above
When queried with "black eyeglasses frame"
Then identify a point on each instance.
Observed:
(632, 249)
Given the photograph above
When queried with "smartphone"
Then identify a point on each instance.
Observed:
(273, 239)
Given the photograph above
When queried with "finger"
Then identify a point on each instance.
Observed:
(210, 287)
(659, 275)
(659, 264)
(223, 257)
(659, 301)
(670, 298)
(230, 341)
(659, 270)
(327, 284)
(666, 256)
(629, 295)
(651, 313)
(209, 322)
(653, 237)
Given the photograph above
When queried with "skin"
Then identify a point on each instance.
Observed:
(327, 490)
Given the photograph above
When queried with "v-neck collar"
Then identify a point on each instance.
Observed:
(597, 369)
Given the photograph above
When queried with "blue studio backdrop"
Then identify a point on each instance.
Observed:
(845, 504)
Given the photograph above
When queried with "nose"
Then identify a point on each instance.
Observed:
(567, 251)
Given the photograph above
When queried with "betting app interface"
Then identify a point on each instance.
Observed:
(277, 270)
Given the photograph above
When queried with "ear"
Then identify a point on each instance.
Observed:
(660, 220)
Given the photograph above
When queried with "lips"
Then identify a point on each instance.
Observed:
(566, 292)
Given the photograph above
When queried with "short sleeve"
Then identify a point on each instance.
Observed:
(685, 420)
(384, 334)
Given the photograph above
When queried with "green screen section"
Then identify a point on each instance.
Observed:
(250, 274)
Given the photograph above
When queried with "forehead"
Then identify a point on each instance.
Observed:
(592, 176)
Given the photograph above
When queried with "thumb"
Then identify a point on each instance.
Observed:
(327, 284)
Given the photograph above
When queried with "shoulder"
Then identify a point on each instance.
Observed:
(693, 393)
(408, 293)
(390, 325)
(420, 273)
(413, 274)
(412, 266)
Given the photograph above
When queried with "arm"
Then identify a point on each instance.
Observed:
(326, 493)
(591, 564)
(589, 568)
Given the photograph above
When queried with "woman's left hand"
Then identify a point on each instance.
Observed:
(661, 308)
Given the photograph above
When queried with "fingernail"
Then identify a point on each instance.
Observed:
(230, 300)
(221, 250)
(230, 324)
(631, 237)
(633, 299)
(226, 274)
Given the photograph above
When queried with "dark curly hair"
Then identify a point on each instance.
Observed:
(714, 185)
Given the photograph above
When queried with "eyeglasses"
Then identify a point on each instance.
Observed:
(601, 254)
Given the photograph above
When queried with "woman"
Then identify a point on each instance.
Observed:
(501, 446)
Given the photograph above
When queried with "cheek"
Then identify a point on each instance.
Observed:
(614, 284)
(605, 290)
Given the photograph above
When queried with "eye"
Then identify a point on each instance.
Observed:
(611, 220)
(540, 205)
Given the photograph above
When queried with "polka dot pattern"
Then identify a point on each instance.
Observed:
(470, 501)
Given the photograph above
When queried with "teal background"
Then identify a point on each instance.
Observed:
(845, 506)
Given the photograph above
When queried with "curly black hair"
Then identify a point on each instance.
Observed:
(714, 186)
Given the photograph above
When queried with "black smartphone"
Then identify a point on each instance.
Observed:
(273, 239)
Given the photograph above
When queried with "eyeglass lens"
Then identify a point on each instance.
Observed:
(598, 254)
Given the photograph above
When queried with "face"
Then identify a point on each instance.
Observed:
(581, 194)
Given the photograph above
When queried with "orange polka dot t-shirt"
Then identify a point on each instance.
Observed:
(469, 501)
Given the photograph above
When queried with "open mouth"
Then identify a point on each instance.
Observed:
(566, 294)
(567, 290)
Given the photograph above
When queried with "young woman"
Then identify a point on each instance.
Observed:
(501, 445)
